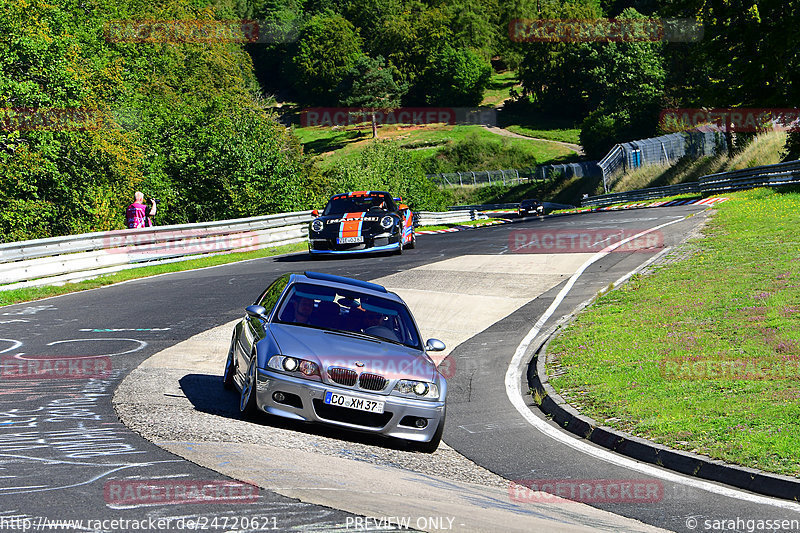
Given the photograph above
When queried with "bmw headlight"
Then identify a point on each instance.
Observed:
(293, 365)
(317, 225)
(387, 222)
(420, 389)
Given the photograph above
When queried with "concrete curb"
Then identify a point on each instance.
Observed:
(700, 466)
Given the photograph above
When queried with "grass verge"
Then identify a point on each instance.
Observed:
(702, 355)
(467, 223)
(37, 293)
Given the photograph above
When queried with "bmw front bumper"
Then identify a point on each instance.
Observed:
(303, 399)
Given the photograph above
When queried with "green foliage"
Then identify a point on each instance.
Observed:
(455, 78)
(180, 121)
(601, 130)
(385, 167)
(477, 153)
(370, 84)
(792, 148)
(327, 49)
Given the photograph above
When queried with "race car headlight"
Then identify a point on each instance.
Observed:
(386, 222)
(420, 389)
(317, 225)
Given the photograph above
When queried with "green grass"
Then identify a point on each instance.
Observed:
(733, 297)
(317, 140)
(498, 90)
(335, 145)
(536, 124)
(36, 293)
(467, 223)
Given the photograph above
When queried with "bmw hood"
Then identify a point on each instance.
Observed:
(335, 349)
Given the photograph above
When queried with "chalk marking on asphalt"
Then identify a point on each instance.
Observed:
(514, 393)
(142, 344)
(16, 344)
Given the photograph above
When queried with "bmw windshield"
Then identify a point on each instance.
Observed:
(347, 311)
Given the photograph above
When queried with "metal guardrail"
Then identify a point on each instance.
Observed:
(432, 218)
(764, 176)
(483, 207)
(641, 194)
(71, 258)
(75, 257)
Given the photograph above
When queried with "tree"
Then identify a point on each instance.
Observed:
(383, 166)
(454, 77)
(327, 49)
(369, 84)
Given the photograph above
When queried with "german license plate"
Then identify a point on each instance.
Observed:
(350, 240)
(351, 402)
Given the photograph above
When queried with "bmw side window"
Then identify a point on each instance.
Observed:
(273, 292)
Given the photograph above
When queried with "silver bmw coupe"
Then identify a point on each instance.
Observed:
(334, 350)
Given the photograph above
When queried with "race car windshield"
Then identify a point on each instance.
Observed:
(357, 204)
(332, 309)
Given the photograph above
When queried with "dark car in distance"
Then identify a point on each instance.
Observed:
(530, 207)
(360, 222)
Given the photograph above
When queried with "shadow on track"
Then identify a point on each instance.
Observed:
(207, 395)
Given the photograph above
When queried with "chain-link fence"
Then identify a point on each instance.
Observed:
(514, 176)
(664, 150)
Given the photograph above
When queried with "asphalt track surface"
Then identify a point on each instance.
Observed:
(61, 441)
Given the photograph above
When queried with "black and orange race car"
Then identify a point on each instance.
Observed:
(359, 222)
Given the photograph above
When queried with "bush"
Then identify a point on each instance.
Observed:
(477, 153)
(454, 78)
(382, 166)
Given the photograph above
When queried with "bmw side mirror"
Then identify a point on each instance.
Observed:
(256, 311)
(434, 345)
